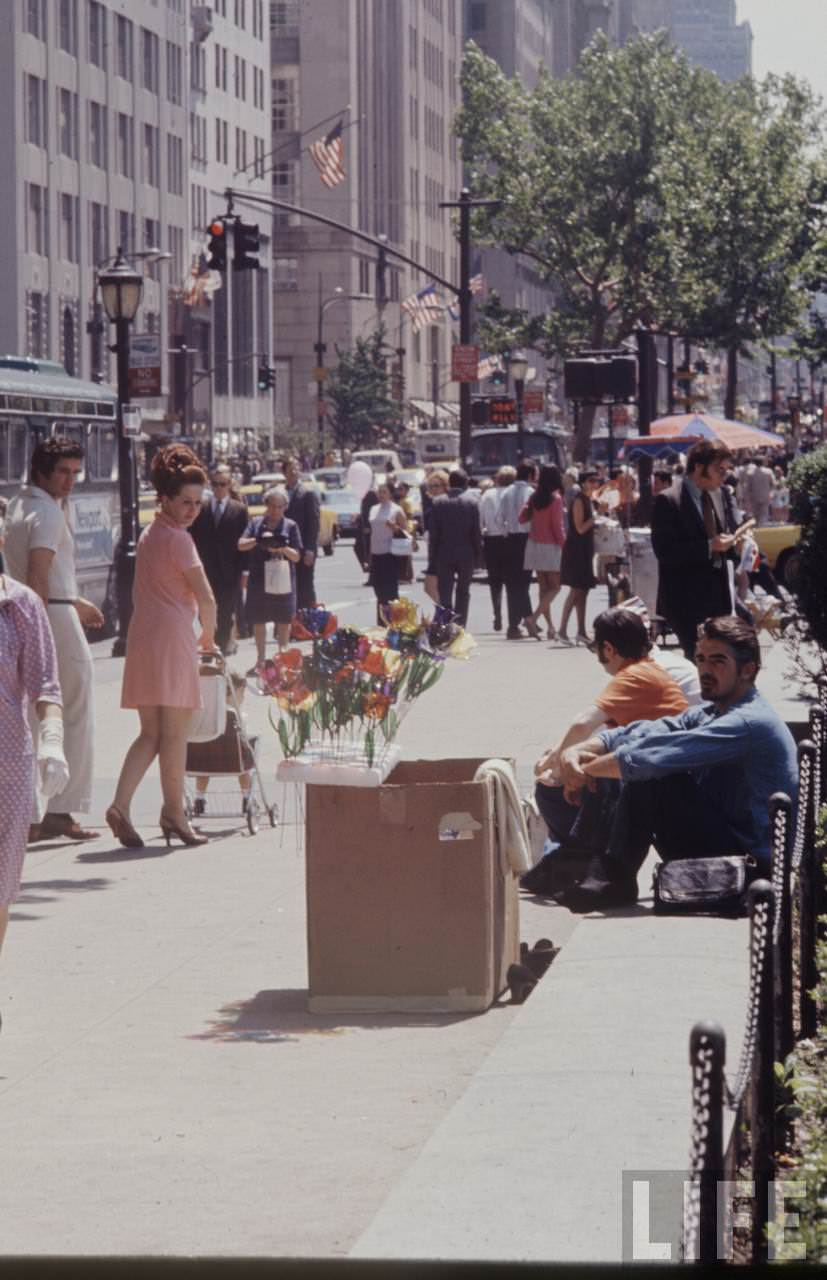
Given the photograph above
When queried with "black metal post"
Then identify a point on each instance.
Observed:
(128, 490)
(773, 388)
(670, 374)
(761, 900)
(709, 1037)
(610, 452)
(519, 393)
(465, 319)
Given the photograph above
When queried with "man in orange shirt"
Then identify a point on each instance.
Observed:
(640, 689)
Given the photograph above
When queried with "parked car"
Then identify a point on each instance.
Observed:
(345, 505)
(779, 543)
(331, 477)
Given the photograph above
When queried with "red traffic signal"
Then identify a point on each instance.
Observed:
(217, 246)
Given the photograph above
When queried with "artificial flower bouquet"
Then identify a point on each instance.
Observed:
(343, 700)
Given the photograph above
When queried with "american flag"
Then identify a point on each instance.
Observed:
(476, 284)
(424, 307)
(488, 365)
(328, 155)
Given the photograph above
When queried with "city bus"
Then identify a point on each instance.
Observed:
(38, 399)
(434, 445)
(495, 447)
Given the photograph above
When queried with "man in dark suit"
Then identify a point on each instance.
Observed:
(455, 544)
(693, 522)
(216, 531)
(304, 509)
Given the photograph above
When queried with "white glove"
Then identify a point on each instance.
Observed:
(51, 762)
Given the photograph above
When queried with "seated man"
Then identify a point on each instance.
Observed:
(693, 785)
(640, 689)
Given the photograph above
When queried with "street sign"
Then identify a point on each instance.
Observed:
(465, 358)
(132, 419)
(502, 411)
(534, 402)
(144, 364)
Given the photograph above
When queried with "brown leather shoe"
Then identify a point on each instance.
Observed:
(63, 824)
(34, 834)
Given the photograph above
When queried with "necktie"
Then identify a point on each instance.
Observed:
(710, 515)
(217, 513)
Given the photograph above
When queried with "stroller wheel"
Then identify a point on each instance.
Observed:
(274, 815)
(252, 816)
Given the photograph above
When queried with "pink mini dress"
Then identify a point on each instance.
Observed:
(161, 668)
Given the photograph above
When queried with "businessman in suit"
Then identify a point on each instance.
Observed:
(693, 522)
(304, 508)
(455, 544)
(216, 531)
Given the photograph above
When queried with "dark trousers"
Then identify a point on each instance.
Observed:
(226, 599)
(674, 815)
(305, 586)
(454, 586)
(517, 580)
(578, 828)
(384, 575)
(495, 553)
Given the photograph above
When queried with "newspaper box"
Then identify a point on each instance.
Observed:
(408, 905)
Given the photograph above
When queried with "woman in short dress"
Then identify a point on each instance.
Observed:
(385, 518)
(577, 562)
(28, 676)
(271, 538)
(160, 677)
(546, 535)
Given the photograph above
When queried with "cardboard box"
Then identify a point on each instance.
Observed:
(408, 906)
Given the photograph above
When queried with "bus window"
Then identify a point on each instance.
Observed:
(103, 453)
(4, 450)
(18, 452)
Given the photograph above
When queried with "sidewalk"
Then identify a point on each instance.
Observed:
(164, 1091)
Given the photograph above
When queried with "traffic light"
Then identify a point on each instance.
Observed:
(266, 377)
(497, 378)
(246, 246)
(217, 246)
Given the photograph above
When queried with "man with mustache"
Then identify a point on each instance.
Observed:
(694, 785)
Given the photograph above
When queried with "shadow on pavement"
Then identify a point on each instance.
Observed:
(118, 854)
(277, 1017)
(36, 892)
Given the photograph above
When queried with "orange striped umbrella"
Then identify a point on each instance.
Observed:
(735, 435)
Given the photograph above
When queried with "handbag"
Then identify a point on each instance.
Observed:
(209, 722)
(717, 885)
(401, 544)
(277, 580)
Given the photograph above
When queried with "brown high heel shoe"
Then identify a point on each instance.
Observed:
(122, 829)
(170, 829)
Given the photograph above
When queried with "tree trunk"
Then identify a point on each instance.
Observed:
(731, 381)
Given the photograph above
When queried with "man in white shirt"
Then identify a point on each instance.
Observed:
(517, 579)
(40, 552)
(495, 538)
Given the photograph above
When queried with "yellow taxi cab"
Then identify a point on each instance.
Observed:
(253, 493)
(779, 543)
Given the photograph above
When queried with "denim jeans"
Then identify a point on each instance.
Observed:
(581, 828)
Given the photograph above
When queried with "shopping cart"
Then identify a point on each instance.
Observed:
(226, 757)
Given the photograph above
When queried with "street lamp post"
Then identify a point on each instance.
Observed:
(320, 348)
(121, 288)
(518, 364)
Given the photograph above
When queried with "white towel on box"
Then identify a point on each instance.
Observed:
(512, 835)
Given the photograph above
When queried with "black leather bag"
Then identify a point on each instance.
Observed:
(712, 885)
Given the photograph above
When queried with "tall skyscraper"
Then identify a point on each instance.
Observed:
(706, 30)
(379, 81)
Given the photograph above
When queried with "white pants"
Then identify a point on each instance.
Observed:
(76, 675)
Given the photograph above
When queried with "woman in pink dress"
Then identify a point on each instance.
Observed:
(160, 676)
(547, 532)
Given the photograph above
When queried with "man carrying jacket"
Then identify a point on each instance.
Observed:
(305, 510)
(455, 544)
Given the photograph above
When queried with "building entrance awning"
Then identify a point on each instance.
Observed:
(447, 412)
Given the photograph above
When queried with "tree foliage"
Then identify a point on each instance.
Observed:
(358, 391)
(808, 487)
(645, 192)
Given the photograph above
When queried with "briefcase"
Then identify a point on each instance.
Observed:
(713, 885)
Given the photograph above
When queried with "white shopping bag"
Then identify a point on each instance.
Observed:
(277, 581)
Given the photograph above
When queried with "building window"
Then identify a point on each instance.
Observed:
(240, 78)
(152, 240)
(198, 138)
(285, 273)
(175, 245)
(67, 26)
(198, 68)
(97, 34)
(126, 146)
(152, 159)
(364, 276)
(284, 105)
(240, 150)
(479, 16)
(175, 165)
(37, 219)
(240, 13)
(99, 232)
(284, 188)
(68, 123)
(125, 48)
(38, 309)
(175, 75)
(149, 60)
(36, 110)
(198, 207)
(126, 229)
(258, 157)
(34, 18)
(69, 229)
(97, 135)
(284, 17)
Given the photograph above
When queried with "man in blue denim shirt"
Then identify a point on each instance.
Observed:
(697, 784)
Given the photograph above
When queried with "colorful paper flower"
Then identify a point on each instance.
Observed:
(313, 623)
(402, 615)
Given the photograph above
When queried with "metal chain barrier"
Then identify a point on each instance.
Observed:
(707, 1048)
(806, 754)
(759, 940)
